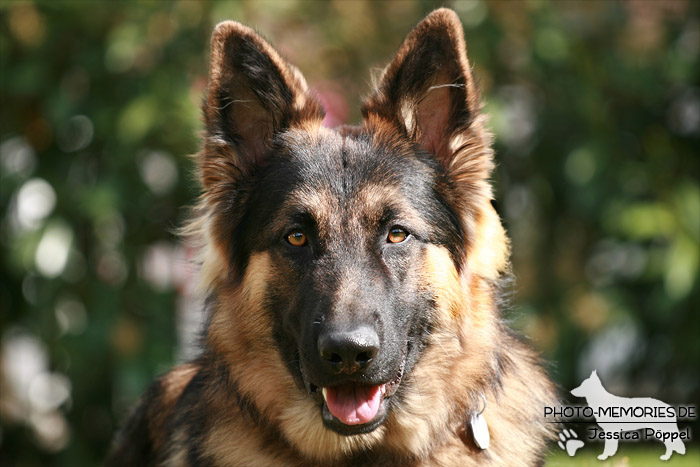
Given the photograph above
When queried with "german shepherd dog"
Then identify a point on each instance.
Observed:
(352, 277)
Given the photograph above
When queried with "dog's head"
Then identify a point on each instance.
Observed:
(345, 253)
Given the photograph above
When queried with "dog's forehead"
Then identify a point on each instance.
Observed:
(321, 151)
(329, 161)
(341, 176)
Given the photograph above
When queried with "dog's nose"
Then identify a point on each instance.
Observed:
(348, 351)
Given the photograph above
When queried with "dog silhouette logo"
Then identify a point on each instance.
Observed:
(618, 416)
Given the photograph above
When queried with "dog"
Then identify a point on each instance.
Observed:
(605, 405)
(352, 277)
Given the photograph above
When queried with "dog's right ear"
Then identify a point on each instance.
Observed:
(253, 95)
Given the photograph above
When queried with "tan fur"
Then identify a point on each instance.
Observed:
(490, 247)
(173, 384)
(371, 199)
(316, 200)
(177, 456)
(241, 331)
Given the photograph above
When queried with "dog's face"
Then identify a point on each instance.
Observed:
(346, 227)
(369, 234)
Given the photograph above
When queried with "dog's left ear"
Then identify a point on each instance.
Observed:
(429, 91)
(429, 94)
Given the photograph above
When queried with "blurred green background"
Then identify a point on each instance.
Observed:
(596, 110)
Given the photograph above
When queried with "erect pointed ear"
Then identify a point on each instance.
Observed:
(253, 95)
(429, 91)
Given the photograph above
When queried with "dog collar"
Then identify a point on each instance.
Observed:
(479, 428)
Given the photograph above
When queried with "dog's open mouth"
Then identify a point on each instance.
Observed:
(352, 408)
(353, 404)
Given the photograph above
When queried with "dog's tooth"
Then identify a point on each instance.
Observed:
(323, 390)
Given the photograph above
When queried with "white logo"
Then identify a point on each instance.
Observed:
(624, 417)
(568, 441)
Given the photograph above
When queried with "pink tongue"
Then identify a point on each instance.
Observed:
(353, 404)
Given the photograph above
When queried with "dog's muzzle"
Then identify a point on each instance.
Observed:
(352, 400)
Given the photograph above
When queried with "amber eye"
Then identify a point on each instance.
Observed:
(296, 238)
(396, 235)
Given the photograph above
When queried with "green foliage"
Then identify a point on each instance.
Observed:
(596, 110)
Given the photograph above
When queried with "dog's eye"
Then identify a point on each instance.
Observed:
(396, 235)
(296, 238)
